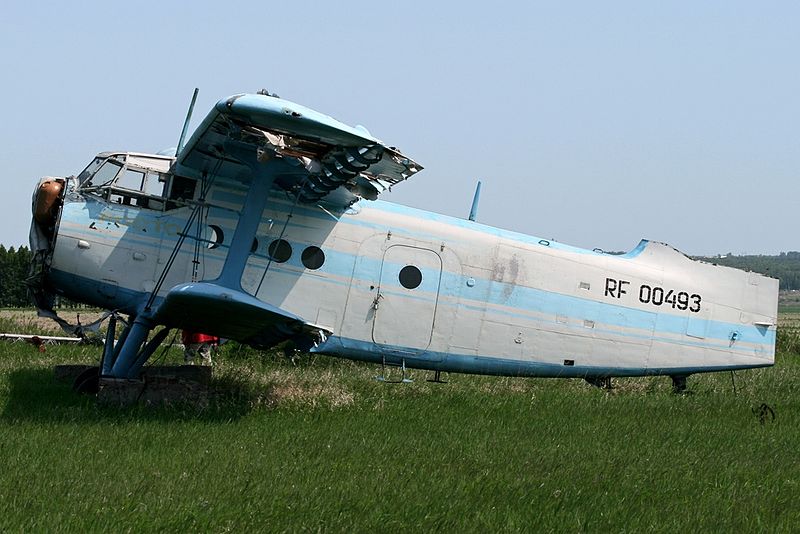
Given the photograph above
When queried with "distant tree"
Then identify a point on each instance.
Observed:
(785, 266)
(5, 275)
(14, 265)
(21, 266)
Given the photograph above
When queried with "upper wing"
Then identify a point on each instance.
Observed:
(324, 153)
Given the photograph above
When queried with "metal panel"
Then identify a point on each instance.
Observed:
(697, 324)
(404, 316)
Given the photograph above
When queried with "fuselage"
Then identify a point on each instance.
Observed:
(398, 284)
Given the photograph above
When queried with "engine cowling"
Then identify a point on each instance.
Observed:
(47, 200)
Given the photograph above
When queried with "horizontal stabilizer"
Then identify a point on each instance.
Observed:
(212, 309)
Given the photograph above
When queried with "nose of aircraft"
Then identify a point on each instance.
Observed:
(46, 201)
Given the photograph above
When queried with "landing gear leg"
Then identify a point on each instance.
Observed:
(126, 365)
(678, 384)
(108, 347)
(88, 382)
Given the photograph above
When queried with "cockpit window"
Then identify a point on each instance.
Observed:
(104, 175)
(154, 184)
(135, 180)
(182, 188)
(90, 170)
(137, 188)
(130, 179)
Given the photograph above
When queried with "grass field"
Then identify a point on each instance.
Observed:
(319, 445)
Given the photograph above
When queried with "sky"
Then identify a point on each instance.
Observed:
(591, 123)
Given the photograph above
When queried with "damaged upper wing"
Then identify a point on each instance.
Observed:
(321, 154)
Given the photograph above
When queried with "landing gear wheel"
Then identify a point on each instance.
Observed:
(88, 382)
(678, 384)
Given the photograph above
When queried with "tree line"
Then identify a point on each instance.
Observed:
(14, 265)
(785, 266)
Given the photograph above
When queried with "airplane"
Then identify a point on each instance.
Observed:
(266, 227)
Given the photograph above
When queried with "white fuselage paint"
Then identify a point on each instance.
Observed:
(489, 301)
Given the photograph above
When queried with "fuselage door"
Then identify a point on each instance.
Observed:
(405, 306)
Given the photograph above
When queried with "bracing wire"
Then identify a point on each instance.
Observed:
(198, 234)
(182, 236)
(280, 236)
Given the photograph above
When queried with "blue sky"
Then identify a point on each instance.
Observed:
(592, 123)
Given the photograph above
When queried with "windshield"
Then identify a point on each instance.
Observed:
(106, 174)
(90, 170)
(103, 176)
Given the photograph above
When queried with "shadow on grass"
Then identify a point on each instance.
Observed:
(35, 395)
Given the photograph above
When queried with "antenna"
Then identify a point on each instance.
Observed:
(477, 198)
(186, 123)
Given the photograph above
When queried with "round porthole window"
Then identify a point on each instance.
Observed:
(254, 246)
(216, 236)
(410, 277)
(280, 250)
(313, 257)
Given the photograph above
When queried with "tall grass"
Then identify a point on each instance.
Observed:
(315, 443)
(788, 340)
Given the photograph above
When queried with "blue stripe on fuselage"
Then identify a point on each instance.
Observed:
(506, 299)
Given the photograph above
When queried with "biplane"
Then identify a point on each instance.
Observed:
(267, 227)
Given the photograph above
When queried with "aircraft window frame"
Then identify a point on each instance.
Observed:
(119, 189)
(129, 177)
(180, 190)
(119, 194)
(154, 180)
(90, 170)
(107, 164)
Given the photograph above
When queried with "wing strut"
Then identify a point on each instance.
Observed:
(227, 286)
(263, 178)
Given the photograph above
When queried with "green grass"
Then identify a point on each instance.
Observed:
(320, 445)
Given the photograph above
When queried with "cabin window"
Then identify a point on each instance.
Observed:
(410, 277)
(280, 251)
(313, 257)
(216, 236)
(182, 188)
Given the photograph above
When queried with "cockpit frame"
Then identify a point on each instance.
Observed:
(134, 179)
